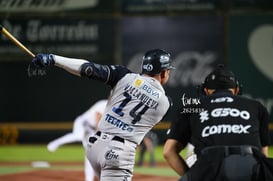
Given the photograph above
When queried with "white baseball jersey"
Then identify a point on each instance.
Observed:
(137, 103)
(88, 118)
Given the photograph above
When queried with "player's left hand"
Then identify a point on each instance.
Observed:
(42, 60)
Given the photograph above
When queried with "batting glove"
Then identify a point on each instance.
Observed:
(43, 60)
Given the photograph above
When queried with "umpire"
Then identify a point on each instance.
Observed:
(225, 129)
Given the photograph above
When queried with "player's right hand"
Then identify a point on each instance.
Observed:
(43, 60)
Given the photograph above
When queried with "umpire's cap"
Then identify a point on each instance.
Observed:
(154, 61)
(221, 78)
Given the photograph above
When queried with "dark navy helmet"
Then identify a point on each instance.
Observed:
(155, 61)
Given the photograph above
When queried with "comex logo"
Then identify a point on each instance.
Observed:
(225, 128)
(148, 67)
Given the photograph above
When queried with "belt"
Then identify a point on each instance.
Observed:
(224, 151)
(116, 138)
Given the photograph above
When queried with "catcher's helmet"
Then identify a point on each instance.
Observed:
(154, 61)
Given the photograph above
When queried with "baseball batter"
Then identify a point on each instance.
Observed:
(136, 104)
(84, 125)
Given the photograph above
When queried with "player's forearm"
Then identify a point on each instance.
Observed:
(82, 67)
(71, 65)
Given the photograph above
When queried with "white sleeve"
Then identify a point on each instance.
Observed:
(71, 65)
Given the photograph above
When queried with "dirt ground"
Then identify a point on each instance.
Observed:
(54, 175)
(67, 175)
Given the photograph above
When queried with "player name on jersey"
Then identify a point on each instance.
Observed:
(144, 92)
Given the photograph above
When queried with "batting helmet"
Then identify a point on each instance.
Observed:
(154, 61)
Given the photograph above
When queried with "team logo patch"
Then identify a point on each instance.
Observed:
(138, 82)
(148, 67)
(88, 71)
(110, 155)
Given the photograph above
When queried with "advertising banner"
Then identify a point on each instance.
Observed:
(265, 4)
(55, 6)
(132, 6)
(251, 56)
(194, 42)
(78, 37)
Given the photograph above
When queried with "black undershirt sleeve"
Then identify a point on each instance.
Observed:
(180, 129)
(109, 74)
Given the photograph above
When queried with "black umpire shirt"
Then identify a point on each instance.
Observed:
(222, 119)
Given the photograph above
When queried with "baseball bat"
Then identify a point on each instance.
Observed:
(14, 40)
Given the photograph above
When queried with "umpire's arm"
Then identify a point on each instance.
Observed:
(171, 152)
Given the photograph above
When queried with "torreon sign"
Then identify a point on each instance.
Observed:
(45, 5)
